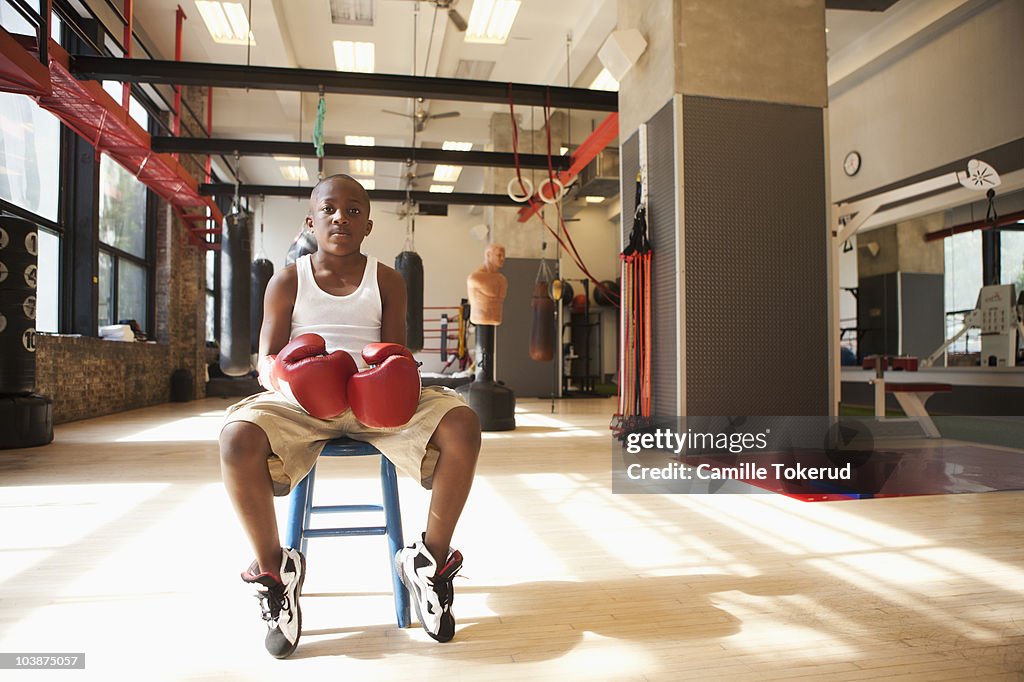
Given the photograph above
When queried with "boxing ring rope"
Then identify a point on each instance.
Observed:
(443, 333)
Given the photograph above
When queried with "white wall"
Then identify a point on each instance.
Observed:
(954, 95)
(449, 251)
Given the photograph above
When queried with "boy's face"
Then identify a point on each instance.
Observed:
(339, 216)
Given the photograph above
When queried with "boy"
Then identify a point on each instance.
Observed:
(268, 443)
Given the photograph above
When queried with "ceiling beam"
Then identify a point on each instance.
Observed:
(376, 195)
(337, 82)
(204, 145)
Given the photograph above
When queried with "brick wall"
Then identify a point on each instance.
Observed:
(89, 376)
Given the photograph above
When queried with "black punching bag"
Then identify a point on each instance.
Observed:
(235, 258)
(262, 271)
(27, 418)
(300, 246)
(542, 333)
(410, 266)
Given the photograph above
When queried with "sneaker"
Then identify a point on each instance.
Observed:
(279, 599)
(430, 588)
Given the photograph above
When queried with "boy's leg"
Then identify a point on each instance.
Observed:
(457, 437)
(244, 449)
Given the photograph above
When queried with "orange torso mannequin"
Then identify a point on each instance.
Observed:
(487, 288)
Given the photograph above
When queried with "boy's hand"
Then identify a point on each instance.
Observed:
(267, 373)
(316, 380)
(387, 394)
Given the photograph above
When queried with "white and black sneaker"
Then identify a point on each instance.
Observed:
(430, 589)
(279, 599)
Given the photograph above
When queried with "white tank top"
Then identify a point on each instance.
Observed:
(346, 322)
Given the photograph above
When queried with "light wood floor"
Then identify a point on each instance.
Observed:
(117, 541)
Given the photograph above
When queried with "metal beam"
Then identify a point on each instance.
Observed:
(337, 82)
(206, 145)
(376, 195)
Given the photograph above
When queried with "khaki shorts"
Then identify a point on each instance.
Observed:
(296, 438)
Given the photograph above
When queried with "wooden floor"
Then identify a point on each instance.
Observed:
(118, 541)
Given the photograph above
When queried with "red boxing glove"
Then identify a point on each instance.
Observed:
(387, 394)
(316, 380)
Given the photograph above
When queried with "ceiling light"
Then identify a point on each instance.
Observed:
(442, 189)
(226, 22)
(368, 183)
(604, 81)
(457, 146)
(351, 56)
(562, 151)
(490, 21)
(362, 167)
(294, 173)
(593, 199)
(360, 140)
(443, 173)
(286, 159)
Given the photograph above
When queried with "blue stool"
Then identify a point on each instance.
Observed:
(301, 510)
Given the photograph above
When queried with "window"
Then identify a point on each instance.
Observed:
(1011, 265)
(212, 323)
(123, 266)
(48, 280)
(30, 157)
(963, 279)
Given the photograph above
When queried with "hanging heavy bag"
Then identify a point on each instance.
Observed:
(235, 289)
(300, 246)
(262, 271)
(410, 266)
(542, 333)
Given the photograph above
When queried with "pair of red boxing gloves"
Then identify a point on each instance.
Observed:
(326, 384)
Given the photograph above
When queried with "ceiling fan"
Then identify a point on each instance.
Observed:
(458, 21)
(421, 115)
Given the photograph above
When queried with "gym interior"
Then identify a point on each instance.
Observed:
(801, 220)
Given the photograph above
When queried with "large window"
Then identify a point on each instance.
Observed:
(211, 295)
(123, 268)
(1011, 265)
(963, 280)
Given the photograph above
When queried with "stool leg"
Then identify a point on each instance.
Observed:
(393, 522)
(298, 513)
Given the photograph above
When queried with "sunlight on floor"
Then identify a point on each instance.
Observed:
(201, 428)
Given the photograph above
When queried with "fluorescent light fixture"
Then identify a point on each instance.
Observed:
(562, 151)
(295, 173)
(490, 21)
(442, 189)
(362, 167)
(352, 56)
(226, 22)
(360, 140)
(368, 183)
(452, 146)
(604, 81)
(443, 173)
(286, 159)
(593, 199)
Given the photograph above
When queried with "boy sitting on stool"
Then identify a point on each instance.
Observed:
(338, 299)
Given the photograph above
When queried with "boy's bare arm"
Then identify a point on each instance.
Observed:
(277, 311)
(393, 300)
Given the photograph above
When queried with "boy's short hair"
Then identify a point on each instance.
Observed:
(341, 176)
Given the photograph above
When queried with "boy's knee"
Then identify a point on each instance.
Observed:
(240, 441)
(460, 429)
(465, 427)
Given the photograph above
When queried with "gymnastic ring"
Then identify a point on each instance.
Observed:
(557, 196)
(525, 183)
